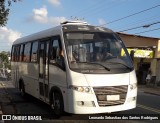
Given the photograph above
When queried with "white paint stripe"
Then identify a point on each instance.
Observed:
(148, 108)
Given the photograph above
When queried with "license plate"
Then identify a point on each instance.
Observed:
(113, 97)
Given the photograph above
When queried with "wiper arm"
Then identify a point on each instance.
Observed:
(96, 64)
(121, 64)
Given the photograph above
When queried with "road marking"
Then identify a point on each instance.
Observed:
(148, 108)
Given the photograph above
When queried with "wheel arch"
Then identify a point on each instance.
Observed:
(55, 89)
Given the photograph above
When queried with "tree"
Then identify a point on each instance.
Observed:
(4, 59)
(4, 11)
(5, 66)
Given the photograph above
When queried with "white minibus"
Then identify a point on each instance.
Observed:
(77, 68)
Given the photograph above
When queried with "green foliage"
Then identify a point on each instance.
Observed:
(4, 59)
(4, 56)
(4, 11)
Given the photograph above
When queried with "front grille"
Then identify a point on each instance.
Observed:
(102, 92)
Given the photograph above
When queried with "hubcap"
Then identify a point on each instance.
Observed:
(57, 104)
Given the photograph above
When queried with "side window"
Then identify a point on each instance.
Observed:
(34, 51)
(27, 49)
(12, 54)
(54, 47)
(57, 54)
(17, 54)
(21, 52)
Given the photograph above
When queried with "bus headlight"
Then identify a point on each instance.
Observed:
(87, 89)
(80, 88)
(133, 86)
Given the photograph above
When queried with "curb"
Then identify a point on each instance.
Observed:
(150, 90)
(151, 93)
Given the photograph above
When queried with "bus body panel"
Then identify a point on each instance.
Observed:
(13, 73)
(108, 81)
(29, 75)
(57, 77)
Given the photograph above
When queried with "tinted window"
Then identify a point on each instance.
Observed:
(34, 52)
(15, 53)
(21, 52)
(13, 50)
(27, 49)
(55, 46)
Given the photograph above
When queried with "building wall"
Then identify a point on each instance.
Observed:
(153, 43)
(158, 71)
(134, 41)
(158, 49)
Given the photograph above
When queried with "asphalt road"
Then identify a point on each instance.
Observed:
(13, 103)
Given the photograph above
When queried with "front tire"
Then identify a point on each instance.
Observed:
(57, 104)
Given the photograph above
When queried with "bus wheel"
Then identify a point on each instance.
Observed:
(57, 104)
(22, 90)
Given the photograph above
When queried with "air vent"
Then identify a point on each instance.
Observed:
(102, 92)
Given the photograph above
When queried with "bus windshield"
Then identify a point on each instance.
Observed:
(96, 52)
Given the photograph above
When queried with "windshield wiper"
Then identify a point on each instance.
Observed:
(96, 64)
(122, 64)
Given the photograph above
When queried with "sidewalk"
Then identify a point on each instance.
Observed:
(155, 90)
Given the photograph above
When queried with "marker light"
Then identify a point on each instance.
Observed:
(133, 86)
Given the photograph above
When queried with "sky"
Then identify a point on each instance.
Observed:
(30, 16)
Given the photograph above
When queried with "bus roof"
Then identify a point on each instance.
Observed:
(50, 32)
(39, 35)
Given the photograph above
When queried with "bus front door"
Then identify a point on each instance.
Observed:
(43, 71)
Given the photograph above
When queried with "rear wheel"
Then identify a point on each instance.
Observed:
(57, 104)
(22, 90)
